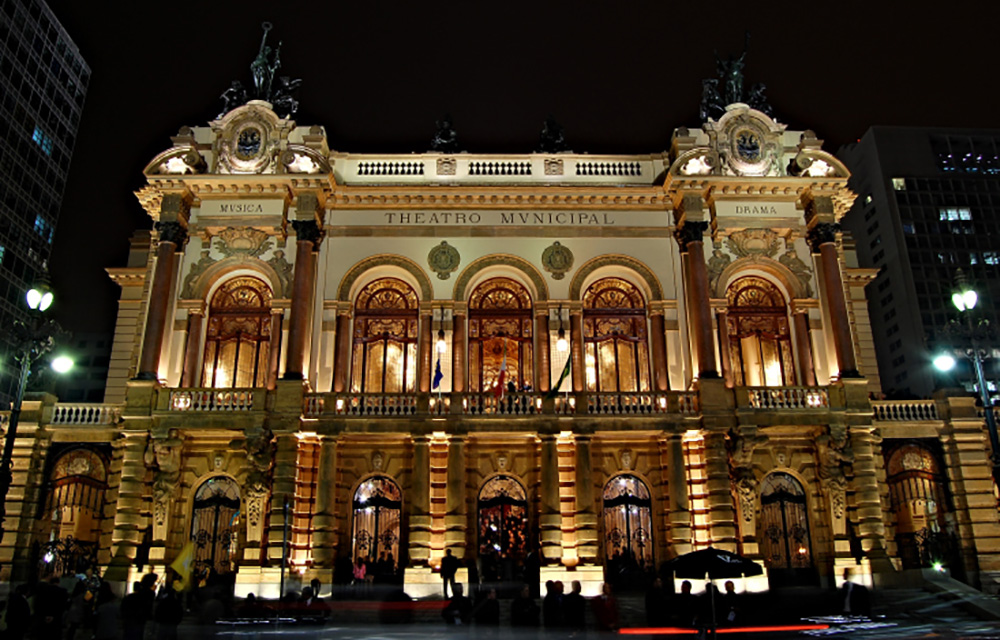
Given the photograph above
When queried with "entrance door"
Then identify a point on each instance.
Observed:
(213, 527)
(503, 527)
(628, 529)
(784, 524)
(378, 505)
(917, 494)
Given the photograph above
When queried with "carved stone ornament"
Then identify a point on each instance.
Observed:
(790, 259)
(626, 458)
(753, 242)
(444, 260)
(553, 166)
(822, 233)
(197, 269)
(284, 269)
(834, 455)
(717, 263)
(173, 232)
(378, 461)
(163, 455)
(242, 241)
(447, 166)
(260, 450)
(250, 139)
(746, 491)
(503, 460)
(557, 260)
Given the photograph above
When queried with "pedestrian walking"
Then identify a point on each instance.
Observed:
(18, 613)
(606, 610)
(107, 615)
(523, 610)
(575, 607)
(449, 567)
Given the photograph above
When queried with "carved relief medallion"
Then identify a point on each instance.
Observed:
(750, 242)
(244, 241)
(444, 260)
(557, 260)
(446, 166)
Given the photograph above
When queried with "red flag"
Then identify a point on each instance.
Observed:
(502, 379)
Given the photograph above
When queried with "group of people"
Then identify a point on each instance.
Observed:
(685, 609)
(89, 609)
(559, 610)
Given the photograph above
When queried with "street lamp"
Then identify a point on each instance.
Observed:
(31, 340)
(965, 298)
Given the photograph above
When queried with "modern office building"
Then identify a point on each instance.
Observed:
(551, 365)
(928, 204)
(43, 81)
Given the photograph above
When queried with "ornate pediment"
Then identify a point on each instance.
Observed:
(753, 242)
(249, 139)
(748, 142)
(242, 241)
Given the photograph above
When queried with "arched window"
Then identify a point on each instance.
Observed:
(503, 524)
(214, 523)
(73, 512)
(784, 523)
(628, 526)
(238, 340)
(378, 504)
(918, 498)
(759, 339)
(500, 335)
(385, 338)
(614, 334)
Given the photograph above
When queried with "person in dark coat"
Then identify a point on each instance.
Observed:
(552, 606)
(606, 610)
(18, 613)
(575, 607)
(685, 606)
(107, 615)
(523, 610)
(50, 605)
(137, 607)
(459, 608)
(855, 599)
(168, 615)
(449, 567)
(656, 605)
(730, 610)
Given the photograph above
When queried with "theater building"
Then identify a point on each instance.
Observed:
(587, 363)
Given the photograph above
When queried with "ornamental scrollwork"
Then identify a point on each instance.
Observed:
(444, 260)
(753, 242)
(243, 241)
(557, 260)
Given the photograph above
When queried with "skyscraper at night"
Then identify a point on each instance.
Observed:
(43, 81)
(927, 206)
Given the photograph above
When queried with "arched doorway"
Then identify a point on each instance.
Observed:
(784, 529)
(385, 338)
(214, 524)
(378, 505)
(238, 340)
(614, 336)
(503, 527)
(500, 335)
(759, 338)
(919, 501)
(628, 528)
(73, 513)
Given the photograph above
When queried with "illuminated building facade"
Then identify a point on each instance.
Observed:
(592, 362)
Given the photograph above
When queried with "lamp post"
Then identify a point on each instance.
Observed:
(32, 340)
(965, 299)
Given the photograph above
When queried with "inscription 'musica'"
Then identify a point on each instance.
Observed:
(241, 207)
(514, 218)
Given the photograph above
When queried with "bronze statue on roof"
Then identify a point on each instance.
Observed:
(267, 85)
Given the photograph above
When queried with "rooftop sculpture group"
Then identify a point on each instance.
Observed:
(267, 86)
(718, 93)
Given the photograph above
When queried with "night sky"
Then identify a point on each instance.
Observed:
(618, 76)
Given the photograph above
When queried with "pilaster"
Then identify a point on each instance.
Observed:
(550, 515)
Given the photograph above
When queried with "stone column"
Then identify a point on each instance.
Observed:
(865, 485)
(689, 236)
(420, 503)
(458, 352)
(658, 345)
(576, 344)
(342, 355)
(172, 237)
(823, 240)
(587, 541)
(130, 518)
(191, 375)
(325, 520)
(543, 342)
(308, 236)
(550, 517)
(454, 537)
(803, 346)
(282, 489)
(722, 322)
(426, 350)
(722, 515)
(680, 508)
(274, 348)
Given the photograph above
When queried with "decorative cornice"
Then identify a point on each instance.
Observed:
(499, 197)
(127, 276)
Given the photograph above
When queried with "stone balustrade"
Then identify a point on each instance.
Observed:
(86, 413)
(313, 405)
(511, 404)
(217, 399)
(905, 410)
(787, 398)
(374, 404)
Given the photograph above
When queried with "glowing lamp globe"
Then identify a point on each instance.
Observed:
(944, 362)
(39, 298)
(62, 364)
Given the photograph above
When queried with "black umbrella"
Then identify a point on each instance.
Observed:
(714, 564)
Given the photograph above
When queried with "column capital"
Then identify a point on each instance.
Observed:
(308, 231)
(822, 233)
(690, 231)
(174, 232)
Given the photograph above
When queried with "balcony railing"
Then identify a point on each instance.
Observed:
(641, 403)
(788, 397)
(511, 404)
(216, 399)
(905, 410)
(86, 413)
(374, 404)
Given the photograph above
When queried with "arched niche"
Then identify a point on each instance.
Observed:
(618, 266)
(384, 266)
(500, 265)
